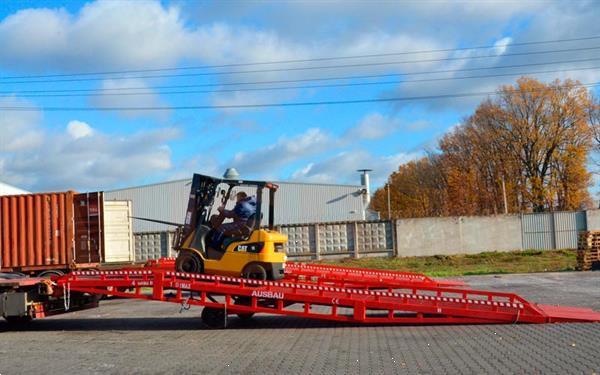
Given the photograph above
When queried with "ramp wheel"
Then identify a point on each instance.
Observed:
(246, 302)
(214, 318)
(189, 262)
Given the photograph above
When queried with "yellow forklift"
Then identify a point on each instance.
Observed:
(250, 251)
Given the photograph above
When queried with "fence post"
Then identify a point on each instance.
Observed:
(394, 233)
(356, 254)
(317, 243)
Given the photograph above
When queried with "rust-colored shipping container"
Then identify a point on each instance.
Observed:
(50, 231)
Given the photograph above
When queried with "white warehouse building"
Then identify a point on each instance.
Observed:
(294, 203)
(6, 189)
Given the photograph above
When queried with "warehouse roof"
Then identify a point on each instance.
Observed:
(189, 180)
(295, 203)
(6, 189)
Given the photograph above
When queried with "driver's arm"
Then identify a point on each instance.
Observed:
(227, 213)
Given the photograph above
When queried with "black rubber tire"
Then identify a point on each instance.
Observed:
(245, 316)
(255, 271)
(18, 320)
(50, 273)
(189, 263)
(214, 318)
(252, 271)
(244, 301)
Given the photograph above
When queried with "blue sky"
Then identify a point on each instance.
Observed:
(93, 150)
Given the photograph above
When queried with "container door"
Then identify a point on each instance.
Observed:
(89, 242)
(118, 232)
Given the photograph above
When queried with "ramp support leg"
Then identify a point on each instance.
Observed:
(157, 290)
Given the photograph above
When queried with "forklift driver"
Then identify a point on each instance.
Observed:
(244, 209)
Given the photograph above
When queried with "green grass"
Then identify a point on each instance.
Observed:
(473, 264)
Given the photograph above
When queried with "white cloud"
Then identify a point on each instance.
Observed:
(343, 166)
(109, 35)
(418, 125)
(444, 19)
(501, 45)
(79, 129)
(18, 128)
(147, 98)
(373, 126)
(78, 157)
(104, 34)
(203, 164)
(286, 150)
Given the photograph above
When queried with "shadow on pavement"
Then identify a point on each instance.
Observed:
(161, 324)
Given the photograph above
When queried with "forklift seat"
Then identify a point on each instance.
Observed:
(241, 234)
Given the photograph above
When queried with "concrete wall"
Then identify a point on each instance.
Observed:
(418, 237)
(458, 235)
(593, 219)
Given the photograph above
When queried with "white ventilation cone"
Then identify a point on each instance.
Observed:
(231, 174)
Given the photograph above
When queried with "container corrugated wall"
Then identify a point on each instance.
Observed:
(50, 231)
(36, 230)
(89, 223)
(295, 203)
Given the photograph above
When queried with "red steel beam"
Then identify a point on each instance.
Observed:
(358, 277)
(423, 304)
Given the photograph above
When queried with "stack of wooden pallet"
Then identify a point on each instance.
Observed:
(588, 250)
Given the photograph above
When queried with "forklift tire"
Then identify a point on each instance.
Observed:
(255, 271)
(252, 271)
(189, 262)
(214, 318)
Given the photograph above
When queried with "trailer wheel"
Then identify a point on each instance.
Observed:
(50, 273)
(18, 320)
(214, 317)
(189, 263)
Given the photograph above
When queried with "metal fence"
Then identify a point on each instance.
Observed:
(552, 230)
(305, 241)
(153, 245)
(407, 237)
(338, 240)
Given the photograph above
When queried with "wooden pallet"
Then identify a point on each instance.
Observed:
(588, 250)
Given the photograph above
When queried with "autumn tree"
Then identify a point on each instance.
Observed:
(417, 189)
(544, 128)
(524, 150)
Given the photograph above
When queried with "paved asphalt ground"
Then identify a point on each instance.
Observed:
(150, 337)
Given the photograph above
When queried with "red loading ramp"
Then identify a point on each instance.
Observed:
(557, 314)
(359, 277)
(408, 305)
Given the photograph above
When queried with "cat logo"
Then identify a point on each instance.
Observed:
(242, 248)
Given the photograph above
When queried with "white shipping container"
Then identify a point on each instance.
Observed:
(118, 232)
